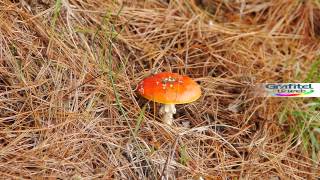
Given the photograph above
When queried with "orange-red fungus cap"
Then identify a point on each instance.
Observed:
(169, 88)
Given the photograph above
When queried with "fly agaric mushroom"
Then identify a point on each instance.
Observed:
(169, 89)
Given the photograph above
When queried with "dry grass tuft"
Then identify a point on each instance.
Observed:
(69, 68)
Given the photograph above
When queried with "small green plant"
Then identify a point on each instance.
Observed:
(56, 13)
(314, 72)
(304, 123)
(307, 129)
(184, 158)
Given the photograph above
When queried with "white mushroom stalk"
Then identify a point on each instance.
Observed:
(167, 111)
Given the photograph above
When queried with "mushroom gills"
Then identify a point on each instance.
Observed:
(168, 110)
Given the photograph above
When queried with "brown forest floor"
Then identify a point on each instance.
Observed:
(69, 69)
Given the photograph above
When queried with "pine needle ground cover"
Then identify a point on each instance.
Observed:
(69, 71)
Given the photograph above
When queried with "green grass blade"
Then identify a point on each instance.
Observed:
(140, 120)
(56, 13)
(314, 72)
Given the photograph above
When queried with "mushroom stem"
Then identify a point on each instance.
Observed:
(167, 110)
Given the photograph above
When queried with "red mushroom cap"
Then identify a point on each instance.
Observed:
(169, 88)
